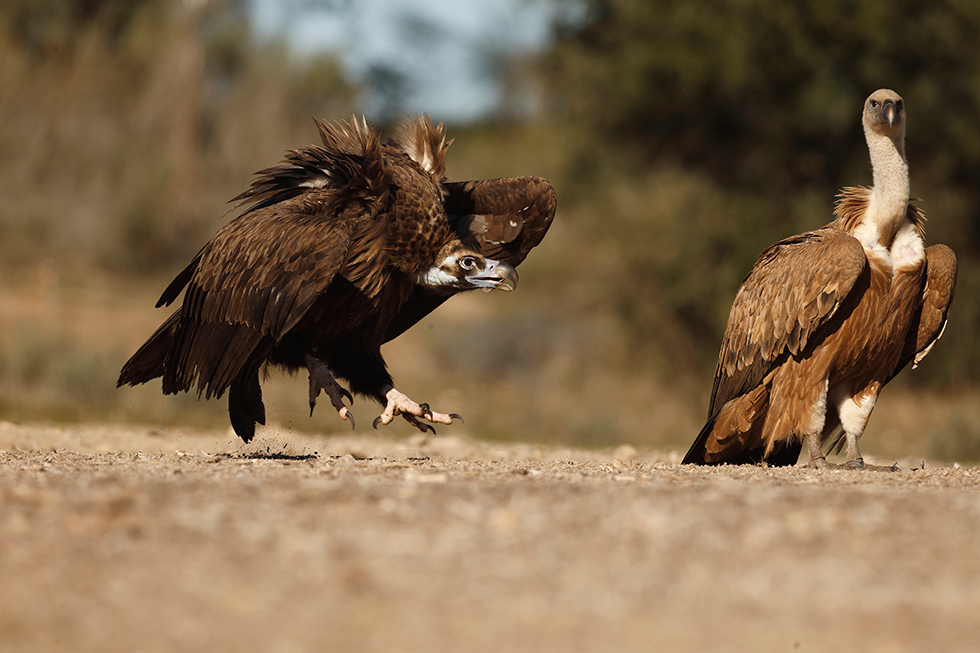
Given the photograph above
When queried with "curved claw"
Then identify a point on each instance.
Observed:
(377, 420)
(422, 426)
(457, 416)
(397, 403)
(322, 381)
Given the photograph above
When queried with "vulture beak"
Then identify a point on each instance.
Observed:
(890, 112)
(496, 275)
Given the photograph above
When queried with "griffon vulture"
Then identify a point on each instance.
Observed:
(828, 317)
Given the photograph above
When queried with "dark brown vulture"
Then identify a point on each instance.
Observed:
(828, 317)
(344, 247)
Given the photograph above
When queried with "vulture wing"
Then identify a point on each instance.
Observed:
(503, 219)
(796, 286)
(937, 297)
(250, 285)
(262, 271)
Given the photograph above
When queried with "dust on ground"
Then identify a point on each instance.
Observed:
(145, 539)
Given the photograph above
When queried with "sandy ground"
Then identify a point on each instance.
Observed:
(142, 539)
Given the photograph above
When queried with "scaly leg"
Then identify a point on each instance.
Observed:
(321, 379)
(854, 413)
(399, 404)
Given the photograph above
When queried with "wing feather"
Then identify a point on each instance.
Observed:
(254, 281)
(795, 287)
(937, 298)
(504, 219)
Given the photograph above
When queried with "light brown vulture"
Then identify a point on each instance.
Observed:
(828, 317)
(343, 248)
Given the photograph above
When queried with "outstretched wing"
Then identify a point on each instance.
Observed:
(937, 297)
(504, 219)
(796, 286)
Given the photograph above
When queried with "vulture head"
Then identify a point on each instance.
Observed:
(884, 113)
(459, 267)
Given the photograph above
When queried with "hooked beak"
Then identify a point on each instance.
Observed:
(889, 108)
(496, 275)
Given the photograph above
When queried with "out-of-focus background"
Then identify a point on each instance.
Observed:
(682, 138)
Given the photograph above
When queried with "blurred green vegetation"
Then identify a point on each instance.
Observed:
(127, 123)
(682, 137)
(754, 107)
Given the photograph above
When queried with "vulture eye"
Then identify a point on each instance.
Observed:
(467, 262)
(874, 104)
(898, 105)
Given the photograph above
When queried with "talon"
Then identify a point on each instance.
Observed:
(322, 380)
(457, 416)
(398, 404)
(346, 414)
(422, 426)
(377, 420)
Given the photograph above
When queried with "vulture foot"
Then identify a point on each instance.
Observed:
(855, 464)
(883, 468)
(321, 379)
(399, 404)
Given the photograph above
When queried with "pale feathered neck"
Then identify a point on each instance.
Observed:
(889, 199)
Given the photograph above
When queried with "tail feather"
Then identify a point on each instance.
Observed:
(149, 361)
(733, 436)
(697, 454)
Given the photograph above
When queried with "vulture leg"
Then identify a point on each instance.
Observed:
(853, 413)
(321, 379)
(819, 461)
(399, 404)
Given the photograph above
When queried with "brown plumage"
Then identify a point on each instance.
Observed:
(826, 318)
(344, 246)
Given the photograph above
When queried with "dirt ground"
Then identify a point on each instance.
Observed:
(143, 539)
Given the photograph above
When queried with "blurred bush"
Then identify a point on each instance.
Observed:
(712, 129)
(127, 125)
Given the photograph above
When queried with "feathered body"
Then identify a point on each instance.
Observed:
(826, 318)
(344, 247)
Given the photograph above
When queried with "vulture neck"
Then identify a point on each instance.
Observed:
(890, 195)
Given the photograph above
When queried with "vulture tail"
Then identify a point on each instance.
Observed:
(148, 361)
(245, 407)
(784, 453)
(696, 454)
